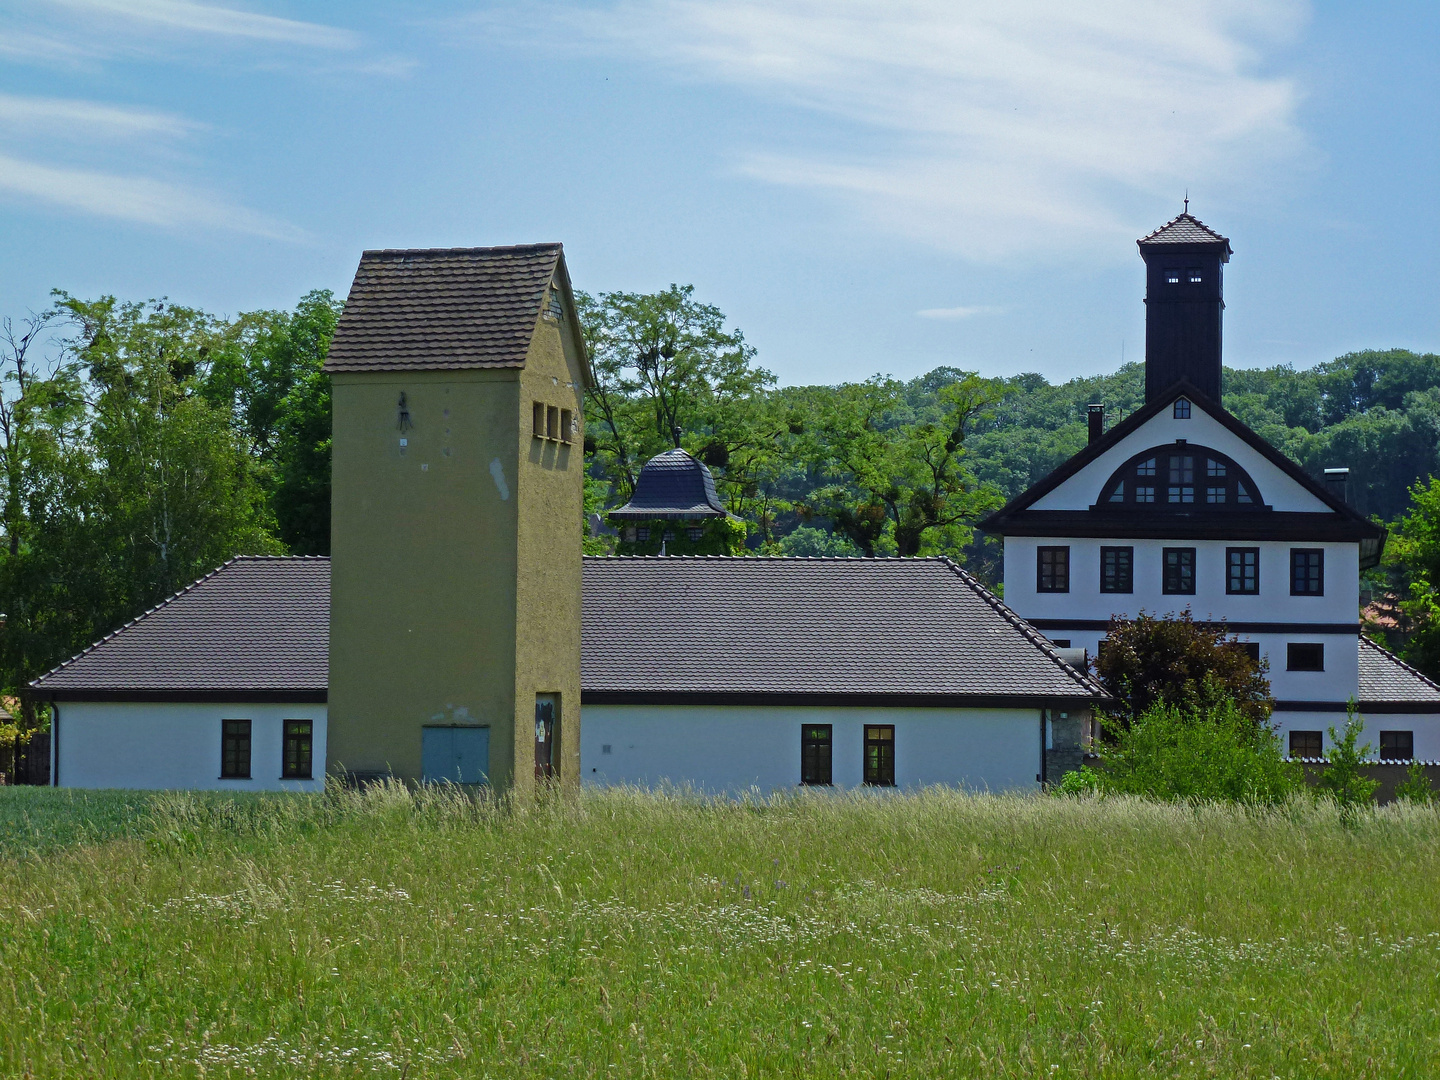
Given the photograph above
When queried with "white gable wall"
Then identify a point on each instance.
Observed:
(164, 745)
(1082, 490)
(731, 749)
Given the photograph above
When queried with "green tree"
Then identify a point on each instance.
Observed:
(1177, 662)
(1342, 778)
(1412, 557)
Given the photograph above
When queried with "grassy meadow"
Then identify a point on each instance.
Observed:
(628, 935)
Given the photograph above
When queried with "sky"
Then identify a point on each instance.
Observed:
(862, 186)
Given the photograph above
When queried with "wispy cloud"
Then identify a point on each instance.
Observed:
(184, 15)
(993, 130)
(959, 312)
(88, 119)
(136, 199)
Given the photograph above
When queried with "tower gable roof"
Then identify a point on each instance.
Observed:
(1185, 229)
(440, 309)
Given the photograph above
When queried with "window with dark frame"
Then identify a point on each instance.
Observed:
(235, 749)
(1307, 744)
(1397, 746)
(296, 760)
(1172, 277)
(815, 754)
(1182, 409)
(1242, 571)
(1117, 569)
(1183, 477)
(1305, 656)
(1307, 571)
(880, 755)
(1052, 569)
(1251, 649)
(1179, 574)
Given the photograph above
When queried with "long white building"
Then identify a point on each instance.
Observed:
(1181, 506)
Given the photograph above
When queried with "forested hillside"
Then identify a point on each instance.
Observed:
(141, 444)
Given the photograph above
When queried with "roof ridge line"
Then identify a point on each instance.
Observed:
(1368, 640)
(1029, 632)
(497, 248)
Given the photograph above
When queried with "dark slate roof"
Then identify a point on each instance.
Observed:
(1385, 677)
(723, 629)
(673, 485)
(256, 628)
(443, 308)
(1185, 229)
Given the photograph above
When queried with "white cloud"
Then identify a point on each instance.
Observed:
(994, 130)
(185, 15)
(959, 312)
(136, 199)
(88, 118)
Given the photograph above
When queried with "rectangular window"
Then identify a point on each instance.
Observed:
(1397, 746)
(1252, 650)
(1181, 495)
(1182, 409)
(1182, 467)
(1305, 656)
(296, 761)
(1195, 276)
(1052, 569)
(1307, 572)
(1179, 571)
(1117, 569)
(567, 420)
(1214, 495)
(695, 534)
(1144, 493)
(552, 422)
(880, 755)
(1307, 744)
(537, 420)
(235, 749)
(1242, 571)
(1172, 277)
(815, 754)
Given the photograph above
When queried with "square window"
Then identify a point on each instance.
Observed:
(1214, 495)
(235, 749)
(1179, 571)
(694, 533)
(1172, 277)
(1182, 409)
(1117, 569)
(1307, 571)
(296, 760)
(1195, 276)
(1397, 746)
(1305, 656)
(1144, 494)
(1307, 744)
(642, 533)
(1214, 468)
(1180, 495)
(1182, 469)
(1242, 571)
(880, 755)
(1052, 569)
(815, 744)
(1250, 649)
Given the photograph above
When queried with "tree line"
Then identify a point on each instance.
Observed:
(143, 443)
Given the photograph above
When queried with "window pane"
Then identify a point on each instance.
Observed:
(1307, 572)
(1397, 745)
(1118, 495)
(1052, 569)
(235, 749)
(880, 755)
(1214, 468)
(1145, 468)
(1214, 495)
(815, 754)
(1305, 656)
(1144, 494)
(297, 764)
(1179, 571)
(1242, 570)
(1306, 744)
(1116, 569)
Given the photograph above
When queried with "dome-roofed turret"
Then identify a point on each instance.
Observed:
(673, 486)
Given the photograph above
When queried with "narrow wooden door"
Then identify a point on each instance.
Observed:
(544, 736)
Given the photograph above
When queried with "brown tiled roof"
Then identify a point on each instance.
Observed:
(1384, 677)
(719, 628)
(443, 308)
(1185, 229)
(258, 627)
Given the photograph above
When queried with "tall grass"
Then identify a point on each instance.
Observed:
(630, 934)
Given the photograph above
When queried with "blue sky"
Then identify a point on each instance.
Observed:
(861, 185)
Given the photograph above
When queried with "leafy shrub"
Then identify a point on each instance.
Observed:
(1175, 754)
(1342, 779)
(1416, 786)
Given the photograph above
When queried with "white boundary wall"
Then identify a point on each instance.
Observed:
(177, 745)
(730, 749)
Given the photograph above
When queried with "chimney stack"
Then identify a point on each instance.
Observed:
(1337, 482)
(1096, 415)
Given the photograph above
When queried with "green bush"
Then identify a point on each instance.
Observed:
(1178, 755)
(1415, 787)
(1342, 779)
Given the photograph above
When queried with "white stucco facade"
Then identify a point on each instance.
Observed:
(729, 749)
(160, 745)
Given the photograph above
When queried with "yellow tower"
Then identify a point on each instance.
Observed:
(458, 378)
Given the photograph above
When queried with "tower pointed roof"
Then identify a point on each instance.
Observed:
(1186, 228)
(672, 485)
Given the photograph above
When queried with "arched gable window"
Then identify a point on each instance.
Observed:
(1180, 476)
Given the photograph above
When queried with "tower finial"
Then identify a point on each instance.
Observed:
(1187, 200)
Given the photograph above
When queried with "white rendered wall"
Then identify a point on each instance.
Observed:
(729, 749)
(1425, 726)
(177, 745)
(1085, 602)
(1082, 491)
